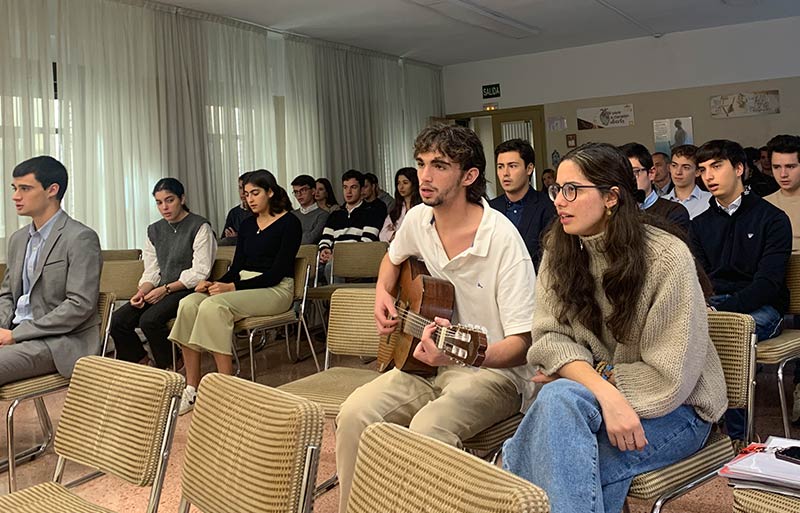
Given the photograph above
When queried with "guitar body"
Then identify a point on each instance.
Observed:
(422, 294)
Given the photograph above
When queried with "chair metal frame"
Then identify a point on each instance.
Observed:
(301, 322)
(10, 463)
(793, 284)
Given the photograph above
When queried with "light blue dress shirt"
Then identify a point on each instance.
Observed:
(35, 243)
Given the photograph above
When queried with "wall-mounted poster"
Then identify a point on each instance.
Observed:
(672, 132)
(746, 104)
(613, 116)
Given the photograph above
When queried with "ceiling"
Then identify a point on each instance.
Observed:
(454, 31)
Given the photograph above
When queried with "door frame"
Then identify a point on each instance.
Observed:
(535, 113)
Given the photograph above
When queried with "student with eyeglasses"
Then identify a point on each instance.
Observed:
(312, 217)
(644, 173)
(620, 341)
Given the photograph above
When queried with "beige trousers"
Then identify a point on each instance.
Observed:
(205, 323)
(454, 405)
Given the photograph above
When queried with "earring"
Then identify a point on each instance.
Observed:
(609, 212)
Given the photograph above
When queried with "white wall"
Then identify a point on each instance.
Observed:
(724, 55)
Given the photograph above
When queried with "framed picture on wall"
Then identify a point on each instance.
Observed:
(572, 140)
(672, 132)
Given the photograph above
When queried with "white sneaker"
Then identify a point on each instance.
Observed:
(187, 400)
(796, 407)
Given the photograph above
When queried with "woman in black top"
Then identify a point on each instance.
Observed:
(259, 282)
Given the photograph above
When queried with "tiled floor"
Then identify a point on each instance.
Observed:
(275, 369)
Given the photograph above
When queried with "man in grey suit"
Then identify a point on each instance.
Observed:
(48, 299)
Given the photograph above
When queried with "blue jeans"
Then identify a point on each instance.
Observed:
(768, 324)
(562, 446)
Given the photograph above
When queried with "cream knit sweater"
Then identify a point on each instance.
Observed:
(668, 358)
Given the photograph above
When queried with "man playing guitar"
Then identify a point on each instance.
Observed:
(474, 247)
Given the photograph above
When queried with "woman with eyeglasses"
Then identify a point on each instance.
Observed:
(631, 379)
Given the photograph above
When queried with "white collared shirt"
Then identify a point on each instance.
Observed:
(494, 278)
(733, 207)
(204, 248)
(696, 203)
(309, 209)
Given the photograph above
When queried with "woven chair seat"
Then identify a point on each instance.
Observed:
(47, 498)
(491, 438)
(777, 349)
(265, 321)
(39, 385)
(754, 501)
(330, 388)
(325, 291)
(717, 452)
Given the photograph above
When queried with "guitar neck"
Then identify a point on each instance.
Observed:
(413, 324)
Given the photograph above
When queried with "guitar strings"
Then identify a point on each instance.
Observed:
(418, 321)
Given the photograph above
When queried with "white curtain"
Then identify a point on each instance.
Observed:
(28, 121)
(354, 109)
(125, 92)
(107, 89)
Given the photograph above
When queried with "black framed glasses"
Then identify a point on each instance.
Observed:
(570, 190)
(638, 170)
(301, 190)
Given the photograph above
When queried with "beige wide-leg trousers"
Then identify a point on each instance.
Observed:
(205, 323)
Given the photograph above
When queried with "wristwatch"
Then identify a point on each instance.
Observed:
(166, 287)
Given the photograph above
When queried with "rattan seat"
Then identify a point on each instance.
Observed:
(324, 292)
(331, 387)
(405, 472)
(266, 321)
(47, 498)
(777, 349)
(39, 385)
(354, 261)
(251, 448)
(110, 255)
(756, 501)
(492, 438)
(717, 452)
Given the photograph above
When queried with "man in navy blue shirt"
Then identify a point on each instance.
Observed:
(743, 243)
(530, 210)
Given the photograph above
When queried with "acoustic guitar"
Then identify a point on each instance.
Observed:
(420, 298)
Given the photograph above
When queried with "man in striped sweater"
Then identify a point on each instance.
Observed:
(355, 222)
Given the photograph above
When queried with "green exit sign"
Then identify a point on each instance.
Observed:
(491, 91)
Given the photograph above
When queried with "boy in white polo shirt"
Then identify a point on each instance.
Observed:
(462, 240)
